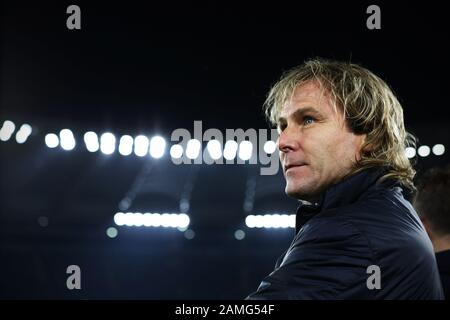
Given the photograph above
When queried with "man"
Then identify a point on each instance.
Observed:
(433, 205)
(342, 147)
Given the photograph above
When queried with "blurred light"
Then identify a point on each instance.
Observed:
(270, 147)
(4, 136)
(128, 219)
(111, 232)
(270, 221)
(245, 150)
(26, 128)
(183, 220)
(119, 219)
(91, 141)
(152, 220)
(139, 219)
(168, 220)
(239, 234)
(157, 147)
(7, 130)
(23, 133)
(438, 149)
(410, 152)
(230, 150)
(189, 234)
(107, 143)
(176, 151)
(43, 221)
(51, 140)
(214, 149)
(184, 205)
(193, 149)
(423, 151)
(126, 145)
(67, 140)
(9, 126)
(287, 221)
(250, 221)
(141, 145)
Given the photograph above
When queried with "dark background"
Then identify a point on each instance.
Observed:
(149, 69)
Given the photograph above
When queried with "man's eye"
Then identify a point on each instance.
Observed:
(308, 120)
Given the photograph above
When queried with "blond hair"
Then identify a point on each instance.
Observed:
(369, 105)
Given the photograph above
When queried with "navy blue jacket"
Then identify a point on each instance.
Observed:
(358, 223)
(443, 262)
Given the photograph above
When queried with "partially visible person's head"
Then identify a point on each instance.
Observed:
(432, 202)
(335, 119)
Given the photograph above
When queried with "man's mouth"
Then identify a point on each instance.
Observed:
(290, 166)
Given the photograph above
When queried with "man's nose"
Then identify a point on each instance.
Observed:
(288, 140)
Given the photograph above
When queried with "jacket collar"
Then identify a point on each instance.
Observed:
(345, 192)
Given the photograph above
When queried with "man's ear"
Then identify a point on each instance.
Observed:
(360, 140)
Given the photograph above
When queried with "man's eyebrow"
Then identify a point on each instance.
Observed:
(300, 112)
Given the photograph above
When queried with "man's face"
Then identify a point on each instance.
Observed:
(316, 147)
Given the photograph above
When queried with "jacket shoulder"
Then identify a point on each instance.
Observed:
(328, 259)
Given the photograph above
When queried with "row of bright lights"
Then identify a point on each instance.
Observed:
(141, 146)
(424, 151)
(156, 147)
(8, 128)
(270, 221)
(168, 220)
(181, 220)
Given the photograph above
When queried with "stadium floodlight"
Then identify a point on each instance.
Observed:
(193, 148)
(7, 130)
(141, 145)
(230, 150)
(214, 149)
(438, 149)
(126, 145)
(176, 151)
(91, 141)
(410, 152)
(245, 150)
(67, 140)
(167, 220)
(23, 133)
(270, 147)
(51, 140)
(107, 143)
(157, 147)
(424, 151)
(270, 221)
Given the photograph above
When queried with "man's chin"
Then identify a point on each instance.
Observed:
(303, 192)
(296, 193)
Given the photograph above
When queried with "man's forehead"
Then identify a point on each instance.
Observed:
(309, 95)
